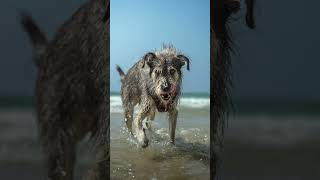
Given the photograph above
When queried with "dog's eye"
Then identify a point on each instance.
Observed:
(172, 71)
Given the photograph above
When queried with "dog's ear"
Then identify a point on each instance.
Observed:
(106, 16)
(149, 59)
(250, 14)
(183, 60)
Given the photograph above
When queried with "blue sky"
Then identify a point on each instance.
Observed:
(144, 25)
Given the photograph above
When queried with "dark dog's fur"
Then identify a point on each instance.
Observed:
(154, 83)
(72, 88)
(221, 73)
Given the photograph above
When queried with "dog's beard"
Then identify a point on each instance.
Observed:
(167, 99)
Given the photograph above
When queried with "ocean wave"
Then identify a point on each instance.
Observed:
(185, 102)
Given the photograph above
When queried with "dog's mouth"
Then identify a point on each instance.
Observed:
(165, 101)
(166, 96)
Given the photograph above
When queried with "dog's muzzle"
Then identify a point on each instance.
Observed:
(168, 93)
(166, 96)
(167, 99)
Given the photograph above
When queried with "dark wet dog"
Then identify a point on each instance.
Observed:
(221, 70)
(72, 89)
(153, 83)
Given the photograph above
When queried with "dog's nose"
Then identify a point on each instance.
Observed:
(165, 87)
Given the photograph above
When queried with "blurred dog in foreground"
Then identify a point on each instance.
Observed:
(221, 69)
(72, 88)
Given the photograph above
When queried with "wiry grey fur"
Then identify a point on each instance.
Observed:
(72, 89)
(154, 74)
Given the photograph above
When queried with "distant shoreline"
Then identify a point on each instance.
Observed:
(186, 94)
(275, 106)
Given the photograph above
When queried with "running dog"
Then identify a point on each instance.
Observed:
(154, 83)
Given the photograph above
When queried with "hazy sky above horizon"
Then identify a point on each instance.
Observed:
(141, 26)
(277, 59)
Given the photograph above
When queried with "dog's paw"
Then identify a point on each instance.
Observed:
(146, 124)
(172, 142)
(145, 143)
(142, 138)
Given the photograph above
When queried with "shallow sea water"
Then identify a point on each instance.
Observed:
(265, 146)
(187, 159)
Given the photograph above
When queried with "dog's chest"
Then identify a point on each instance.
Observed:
(163, 107)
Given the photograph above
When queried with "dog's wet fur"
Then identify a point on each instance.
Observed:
(72, 89)
(153, 83)
(221, 70)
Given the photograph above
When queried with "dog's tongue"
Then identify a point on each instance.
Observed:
(173, 89)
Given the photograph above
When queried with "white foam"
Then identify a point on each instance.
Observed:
(193, 102)
(115, 104)
(185, 102)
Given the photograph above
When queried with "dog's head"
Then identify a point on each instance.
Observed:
(165, 72)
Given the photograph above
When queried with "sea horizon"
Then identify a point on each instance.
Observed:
(241, 105)
(184, 94)
(195, 101)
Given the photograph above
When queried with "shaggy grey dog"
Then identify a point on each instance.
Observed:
(154, 83)
(72, 89)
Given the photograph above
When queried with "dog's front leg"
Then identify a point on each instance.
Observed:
(128, 118)
(150, 118)
(173, 114)
(60, 147)
(100, 169)
(140, 131)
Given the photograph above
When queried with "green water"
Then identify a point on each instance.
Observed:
(16, 101)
